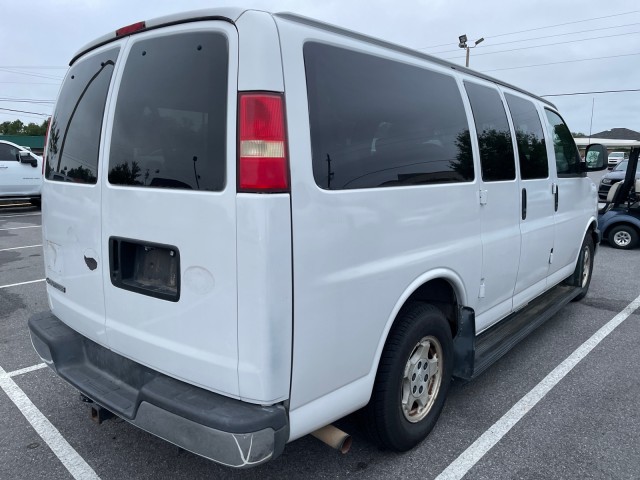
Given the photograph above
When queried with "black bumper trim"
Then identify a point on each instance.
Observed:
(124, 386)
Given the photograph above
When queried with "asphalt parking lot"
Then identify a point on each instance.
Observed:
(562, 404)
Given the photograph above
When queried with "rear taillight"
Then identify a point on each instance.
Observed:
(129, 29)
(262, 155)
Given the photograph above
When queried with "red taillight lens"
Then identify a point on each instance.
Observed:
(129, 29)
(262, 158)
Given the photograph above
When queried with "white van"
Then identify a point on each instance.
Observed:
(20, 173)
(274, 222)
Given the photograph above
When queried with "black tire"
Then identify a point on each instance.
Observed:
(387, 421)
(624, 237)
(581, 277)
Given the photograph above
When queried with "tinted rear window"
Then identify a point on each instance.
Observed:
(74, 138)
(170, 122)
(380, 123)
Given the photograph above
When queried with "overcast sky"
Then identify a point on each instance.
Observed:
(47, 34)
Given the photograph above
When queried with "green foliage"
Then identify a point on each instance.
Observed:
(18, 128)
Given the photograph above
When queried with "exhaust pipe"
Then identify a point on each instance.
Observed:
(334, 437)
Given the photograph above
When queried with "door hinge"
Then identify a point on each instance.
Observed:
(483, 197)
(481, 294)
(551, 257)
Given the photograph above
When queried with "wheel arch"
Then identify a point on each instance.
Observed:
(442, 287)
(592, 229)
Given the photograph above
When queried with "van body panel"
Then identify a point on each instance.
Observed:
(500, 228)
(229, 14)
(195, 338)
(259, 65)
(67, 239)
(74, 263)
(356, 394)
(537, 216)
(577, 195)
(345, 290)
(265, 297)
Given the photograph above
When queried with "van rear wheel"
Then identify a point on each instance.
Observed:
(413, 379)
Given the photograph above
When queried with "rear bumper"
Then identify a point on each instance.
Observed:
(228, 431)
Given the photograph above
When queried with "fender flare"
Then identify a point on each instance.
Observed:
(445, 274)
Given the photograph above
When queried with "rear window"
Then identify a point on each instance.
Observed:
(170, 123)
(380, 123)
(74, 140)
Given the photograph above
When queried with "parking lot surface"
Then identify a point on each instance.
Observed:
(562, 404)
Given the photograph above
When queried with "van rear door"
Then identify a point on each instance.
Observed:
(169, 203)
(71, 213)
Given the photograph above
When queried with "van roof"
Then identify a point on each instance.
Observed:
(232, 14)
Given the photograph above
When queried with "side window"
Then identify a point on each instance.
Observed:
(74, 140)
(567, 155)
(494, 135)
(532, 151)
(380, 123)
(170, 124)
(8, 153)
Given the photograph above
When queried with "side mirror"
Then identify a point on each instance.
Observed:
(595, 158)
(26, 157)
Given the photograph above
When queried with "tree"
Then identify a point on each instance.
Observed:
(123, 174)
(18, 128)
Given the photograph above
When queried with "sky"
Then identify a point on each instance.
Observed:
(546, 47)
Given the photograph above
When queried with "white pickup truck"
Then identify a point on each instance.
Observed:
(20, 173)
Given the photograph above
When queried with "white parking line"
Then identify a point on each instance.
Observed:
(19, 228)
(19, 248)
(22, 283)
(21, 215)
(22, 371)
(60, 447)
(467, 459)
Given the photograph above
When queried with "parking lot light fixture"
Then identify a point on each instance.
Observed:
(463, 44)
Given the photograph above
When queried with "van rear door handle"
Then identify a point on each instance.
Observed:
(524, 203)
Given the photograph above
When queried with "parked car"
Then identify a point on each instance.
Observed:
(615, 158)
(274, 222)
(615, 175)
(20, 173)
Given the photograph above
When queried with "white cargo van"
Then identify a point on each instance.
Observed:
(273, 222)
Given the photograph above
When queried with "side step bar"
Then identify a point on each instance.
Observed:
(475, 354)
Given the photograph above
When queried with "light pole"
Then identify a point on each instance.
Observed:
(463, 44)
